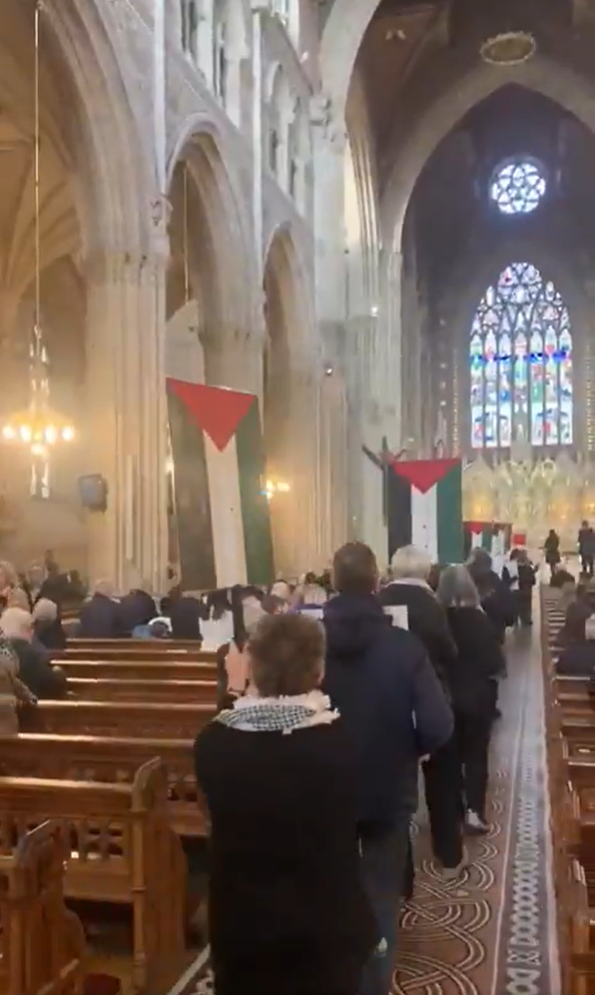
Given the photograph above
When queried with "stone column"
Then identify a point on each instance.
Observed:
(126, 420)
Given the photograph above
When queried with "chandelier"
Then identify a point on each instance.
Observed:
(509, 49)
(38, 427)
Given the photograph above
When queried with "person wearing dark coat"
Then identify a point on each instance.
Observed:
(47, 625)
(427, 620)
(287, 911)
(586, 548)
(35, 669)
(137, 608)
(185, 614)
(551, 548)
(100, 616)
(496, 599)
(473, 685)
(577, 658)
(395, 709)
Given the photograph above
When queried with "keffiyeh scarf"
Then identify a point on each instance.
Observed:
(252, 714)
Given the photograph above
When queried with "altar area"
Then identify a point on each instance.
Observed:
(533, 495)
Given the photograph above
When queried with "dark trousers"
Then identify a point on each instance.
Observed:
(442, 773)
(587, 564)
(383, 862)
(525, 606)
(473, 737)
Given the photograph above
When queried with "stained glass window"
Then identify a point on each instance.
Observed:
(520, 359)
(518, 187)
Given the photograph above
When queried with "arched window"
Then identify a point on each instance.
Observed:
(520, 357)
(190, 27)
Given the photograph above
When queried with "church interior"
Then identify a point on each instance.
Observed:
(252, 255)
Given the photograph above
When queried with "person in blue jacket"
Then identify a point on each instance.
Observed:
(395, 710)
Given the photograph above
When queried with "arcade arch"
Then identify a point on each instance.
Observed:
(93, 240)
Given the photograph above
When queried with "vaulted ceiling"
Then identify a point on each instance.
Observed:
(59, 225)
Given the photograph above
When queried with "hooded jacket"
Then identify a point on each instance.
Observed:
(391, 700)
(427, 621)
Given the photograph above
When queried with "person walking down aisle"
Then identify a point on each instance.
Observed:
(395, 709)
(287, 911)
(473, 683)
(551, 548)
(410, 569)
(586, 549)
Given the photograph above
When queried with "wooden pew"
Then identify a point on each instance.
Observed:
(113, 761)
(140, 670)
(42, 944)
(123, 851)
(101, 645)
(135, 720)
(106, 689)
(139, 649)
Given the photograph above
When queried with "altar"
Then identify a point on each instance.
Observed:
(533, 495)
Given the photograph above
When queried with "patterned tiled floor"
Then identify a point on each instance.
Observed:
(491, 933)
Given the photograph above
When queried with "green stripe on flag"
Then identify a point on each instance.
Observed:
(450, 517)
(255, 506)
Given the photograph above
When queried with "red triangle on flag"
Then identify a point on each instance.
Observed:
(216, 410)
(423, 474)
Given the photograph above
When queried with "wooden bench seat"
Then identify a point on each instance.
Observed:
(140, 670)
(141, 649)
(107, 689)
(122, 850)
(144, 720)
(99, 645)
(42, 944)
(114, 761)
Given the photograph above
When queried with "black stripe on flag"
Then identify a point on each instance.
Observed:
(398, 506)
(191, 499)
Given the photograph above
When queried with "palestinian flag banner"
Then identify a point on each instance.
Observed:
(223, 523)
(424, 503)
(494, 537)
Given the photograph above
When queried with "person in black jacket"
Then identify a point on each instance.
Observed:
(496, 599)
(427, 620)
(137, 608)
(473, 685)
(287, 911)
(395, 710)
(35, 669)
(551, 549)
(577, 657)
(100, 616)
(586, 548)
(47, 625)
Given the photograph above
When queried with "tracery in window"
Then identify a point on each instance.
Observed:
(520, 357)
(518, 187)
(220, 55)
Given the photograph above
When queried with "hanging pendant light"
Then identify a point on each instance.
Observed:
(38, 427)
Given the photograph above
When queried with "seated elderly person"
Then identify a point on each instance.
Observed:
(35, 670)
(47, 626)
(577, 656)
(100, 616)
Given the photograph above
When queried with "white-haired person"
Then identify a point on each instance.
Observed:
(410, 571)
(287, 909)
(47, 625)
(35, 670)
(473, 682)
(100, 616)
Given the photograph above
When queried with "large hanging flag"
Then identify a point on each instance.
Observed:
(425, 507)
(222, 510)
(494, 537)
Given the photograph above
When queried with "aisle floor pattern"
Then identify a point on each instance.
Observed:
(492, 932)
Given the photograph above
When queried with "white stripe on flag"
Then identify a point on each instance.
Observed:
(476, 540)
(424, 521)
(226, 513)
